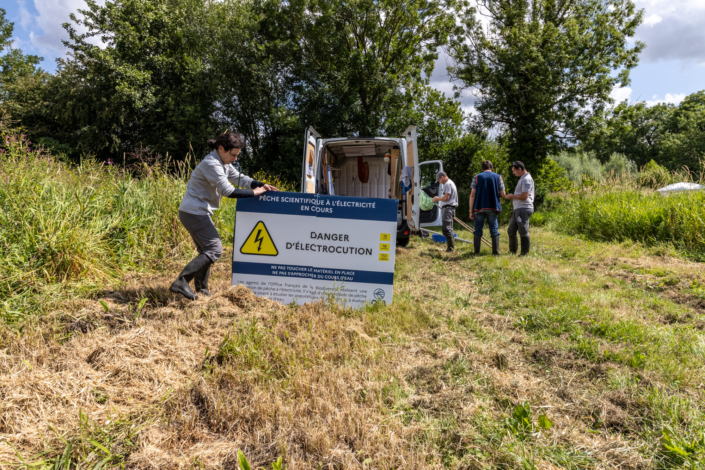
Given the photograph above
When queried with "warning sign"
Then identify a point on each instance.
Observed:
(294, 247)
(259, 242)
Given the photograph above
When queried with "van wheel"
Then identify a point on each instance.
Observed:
(402, 242)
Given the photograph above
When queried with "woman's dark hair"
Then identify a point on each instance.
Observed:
(486, 165)
(228, 140)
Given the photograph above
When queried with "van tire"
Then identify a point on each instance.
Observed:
(402, 242)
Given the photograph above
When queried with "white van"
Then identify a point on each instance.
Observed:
(355, 166)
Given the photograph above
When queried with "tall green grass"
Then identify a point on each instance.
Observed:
(79, 228)
(638, 215)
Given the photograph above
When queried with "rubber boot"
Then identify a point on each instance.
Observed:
(478, 243)
(200, 280)
(495, 245)
(180, 285)
(513, 244)
(450, 241)
(525, 245)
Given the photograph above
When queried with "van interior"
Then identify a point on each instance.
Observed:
(359, 169)
(345, 157)
(375, 167)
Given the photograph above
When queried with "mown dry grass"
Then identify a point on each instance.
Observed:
(603, 340)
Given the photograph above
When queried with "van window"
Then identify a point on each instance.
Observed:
(428, 174)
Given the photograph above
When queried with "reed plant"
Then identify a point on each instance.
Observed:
(621, 208)
(79, 228)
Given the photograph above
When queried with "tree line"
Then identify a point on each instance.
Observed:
(164, 75)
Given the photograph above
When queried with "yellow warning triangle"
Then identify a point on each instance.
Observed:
(259, 242)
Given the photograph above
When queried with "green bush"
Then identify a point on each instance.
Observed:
(618, 165)
(653, 175)
(579, 166)
(550, 178)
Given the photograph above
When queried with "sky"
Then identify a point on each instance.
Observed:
(671, 67)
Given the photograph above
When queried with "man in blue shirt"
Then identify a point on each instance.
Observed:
(487, 189)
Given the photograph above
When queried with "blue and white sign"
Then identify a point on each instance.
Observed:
(295, 247)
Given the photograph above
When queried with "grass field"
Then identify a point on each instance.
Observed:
(582, 355)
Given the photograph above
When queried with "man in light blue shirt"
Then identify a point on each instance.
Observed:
(523, 201)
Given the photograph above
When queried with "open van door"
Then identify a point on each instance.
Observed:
(308, 170)
(432, 188)
(412, 160)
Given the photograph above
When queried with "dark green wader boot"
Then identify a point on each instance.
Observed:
(200, 280)
(513, 244)
(495, 245)
(181, 284)
(525, 245)
(450, 241)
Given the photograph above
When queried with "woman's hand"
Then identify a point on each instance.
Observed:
(269, 187)
(260, 190)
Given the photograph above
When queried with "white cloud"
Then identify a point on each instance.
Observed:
(670, 98)
(652, 20)
(440, 80)
(26, 18)
(620, 94)
(49, 32)
(672, 29)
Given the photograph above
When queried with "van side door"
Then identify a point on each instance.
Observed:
(308, 169)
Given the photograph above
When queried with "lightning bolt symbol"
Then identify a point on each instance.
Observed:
(259, 239)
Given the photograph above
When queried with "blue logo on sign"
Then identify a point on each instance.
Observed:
(379, 294)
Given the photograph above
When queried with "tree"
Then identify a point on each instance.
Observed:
(671, 136)
(438, 120)
(149, 86)
(635, 130)
(684, 143)
(364, 52)
(541, 67)
(345, 68)
(14, 65)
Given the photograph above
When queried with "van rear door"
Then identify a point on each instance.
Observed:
(308, 170)
(412, 160)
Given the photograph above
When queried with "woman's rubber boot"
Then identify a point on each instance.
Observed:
(525, 245)
(478, 243)
(495, 245)
(200, 280)
(180, 285)
(513, 244)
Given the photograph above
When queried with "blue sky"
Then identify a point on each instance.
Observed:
(671, 67)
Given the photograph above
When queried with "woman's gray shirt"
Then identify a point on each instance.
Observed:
(209, 182)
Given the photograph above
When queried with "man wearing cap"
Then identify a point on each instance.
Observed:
(449, 201)
(487, 190)
(523, 201)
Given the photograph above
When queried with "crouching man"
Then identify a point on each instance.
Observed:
(523, 201)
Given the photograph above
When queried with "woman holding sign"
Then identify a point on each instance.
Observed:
(209, 182)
